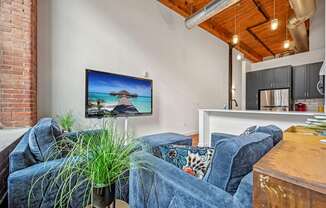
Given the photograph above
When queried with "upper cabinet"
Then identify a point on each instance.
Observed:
(305, 79)
(275, 78)
(282, 77)
(265, 79)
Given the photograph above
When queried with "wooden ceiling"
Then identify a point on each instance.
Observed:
(253, 24)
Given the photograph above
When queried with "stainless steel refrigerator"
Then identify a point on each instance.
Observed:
(275, 100)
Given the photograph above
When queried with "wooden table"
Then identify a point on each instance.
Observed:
(293, 173)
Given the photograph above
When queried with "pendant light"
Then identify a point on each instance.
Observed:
(235, 37)
(286, 43)
(239, 57)
(274, 22)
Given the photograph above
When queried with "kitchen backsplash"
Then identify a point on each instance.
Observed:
(312, 104)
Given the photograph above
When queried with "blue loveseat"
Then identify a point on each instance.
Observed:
(228, 182)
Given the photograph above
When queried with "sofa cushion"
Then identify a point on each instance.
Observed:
(193, 160)
(234, 158)
(219, 136)
(151, 143)
(274, 131)
(42, 139)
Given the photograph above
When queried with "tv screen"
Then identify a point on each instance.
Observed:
(115, 95)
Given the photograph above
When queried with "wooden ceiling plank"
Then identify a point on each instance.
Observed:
(217, 31)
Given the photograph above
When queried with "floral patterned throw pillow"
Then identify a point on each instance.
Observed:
(193, 160)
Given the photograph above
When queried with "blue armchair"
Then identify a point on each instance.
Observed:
(228, 182)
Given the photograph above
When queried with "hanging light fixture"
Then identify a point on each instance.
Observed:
(274, 22)
(286, 43)
(239, 57)
(235, 37)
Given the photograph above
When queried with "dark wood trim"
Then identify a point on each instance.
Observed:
(230, 77)
(267, 19)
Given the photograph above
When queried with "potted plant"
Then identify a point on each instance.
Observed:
(93, 164)
(66, 121)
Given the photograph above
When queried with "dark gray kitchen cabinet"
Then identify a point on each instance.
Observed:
(282, 77)
(276, 78)
(299, 82)
(313, 74)
(252, 91)
(267, 77)
(305, 79)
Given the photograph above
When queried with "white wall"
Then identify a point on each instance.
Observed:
(294, 60)
(189, 68)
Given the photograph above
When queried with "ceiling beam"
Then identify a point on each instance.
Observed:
(217, 31)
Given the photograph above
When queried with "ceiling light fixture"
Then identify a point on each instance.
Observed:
(239, 57)
(235, 37)
(274, 22)
(286, 44)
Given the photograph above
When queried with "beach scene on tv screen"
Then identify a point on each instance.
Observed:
(114, 95)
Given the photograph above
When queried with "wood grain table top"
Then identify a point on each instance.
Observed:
(299, 159)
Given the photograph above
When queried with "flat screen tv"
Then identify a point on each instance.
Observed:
(114, 95)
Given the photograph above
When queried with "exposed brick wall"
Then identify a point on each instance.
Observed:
(18, 55)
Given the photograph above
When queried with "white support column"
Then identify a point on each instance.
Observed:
(204, 133)
(243, 84)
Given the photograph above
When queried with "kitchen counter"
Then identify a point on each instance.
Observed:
(237, 121)
(263, 112)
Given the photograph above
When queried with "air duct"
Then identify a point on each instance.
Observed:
(303, 10)
(210, 10)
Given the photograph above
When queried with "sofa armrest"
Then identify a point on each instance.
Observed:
(157, 183)
(21, 182)
(21, 157)
(219, 136)
(243, 196)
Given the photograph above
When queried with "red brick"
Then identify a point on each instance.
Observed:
(18, 55)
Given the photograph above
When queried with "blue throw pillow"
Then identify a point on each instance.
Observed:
(234, 158)
(42, 139)
(193, 160)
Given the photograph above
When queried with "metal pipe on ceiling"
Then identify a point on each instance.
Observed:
(303, 10)
(210, 10)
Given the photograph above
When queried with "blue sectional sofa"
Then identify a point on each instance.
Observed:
(227, 184)
(26, 164)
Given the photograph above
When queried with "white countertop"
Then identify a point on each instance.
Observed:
(295, 113)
